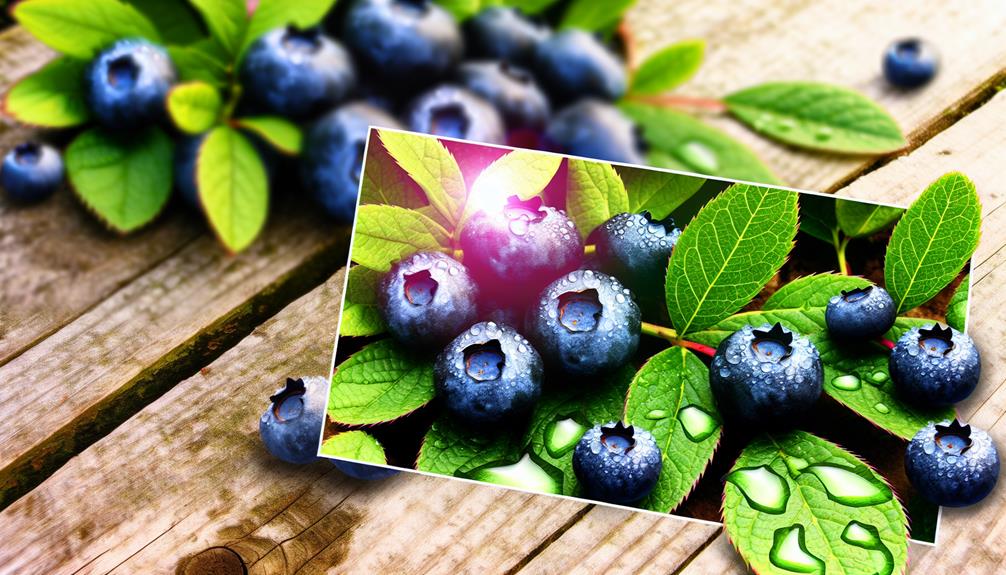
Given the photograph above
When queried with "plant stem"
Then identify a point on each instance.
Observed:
(843, 263)
(682, 102)
(885, 342)
(629, 42)
(589, 249)
(670, 335)
(458, 255)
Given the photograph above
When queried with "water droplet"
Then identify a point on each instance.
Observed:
(878, 378)
(846, 382)
(454, 271)
(796, 465)
(823, 134)
(929, 447)
(951, 459)
(868, 537)
(785, 124)
(762, 487)
(697, 422)
(656, 414)
(562, 436)
(789, 551)
(882, 408)
(699, 155)
(518, 227)
(525, 474)
(848, 487)
(439, 444)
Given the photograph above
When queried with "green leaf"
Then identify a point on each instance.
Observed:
(860, 219)
(429, 163)
(227, 21)
(670, 391)
(727, 253)
(355, 445)
(282, 134)
(194, 107)
(385, 182)
(52, 97)
(461, 9)
(957, 310)
(668, 68)
(381, 382)
(679, 141)
(806, 537)
(451, 449)
(817, 217)
(594, 193)
(126, 182)
(594, 16)
(659, 193)
(176, 21)
(385, 234)
(82, 29)
(812, 291)
(232, 187)
(530, 6)
(200, 62)
(272, 14)
(360, 314)
(818, 117)
(521, 173)
(932, 242)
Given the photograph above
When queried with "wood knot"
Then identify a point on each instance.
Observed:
(213, 561)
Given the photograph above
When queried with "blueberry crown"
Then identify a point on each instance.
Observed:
(667, 223)
(619, 430)
(293, 388)
(957, 431)
(529, 209)
(936, 331)
(856, 294)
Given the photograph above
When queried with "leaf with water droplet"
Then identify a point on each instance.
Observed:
(452, 449)
(525, 474)
(957, 309)
(594, 193)
(379, 383)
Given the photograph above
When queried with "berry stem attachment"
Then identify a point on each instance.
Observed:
(885, 342)
(671, 336)
(682, 102)
(589, 249)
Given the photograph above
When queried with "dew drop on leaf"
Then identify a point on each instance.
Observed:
(789, 551)
(848, 487)
(697, 423)
(762, 487)
(846, 382)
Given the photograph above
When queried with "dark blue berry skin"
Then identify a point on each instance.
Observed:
(406, 42)
(574, 64)
(636, 249)
(291, 426)
(766, 377)
(615, 468)
(427, 299)
(910, 63)
(594, 129)
(127, 85)
(860, 314)
(332, 161)
(454, 112)
(952, 465)
(510, 89)
(363, 471)
(502, 33)
(488, 375)
(935, 367)
(31, 172)
(296, 73)
(585, 323)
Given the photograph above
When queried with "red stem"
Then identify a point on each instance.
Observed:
(686, 102)
(885, 342)
(629, 41)
(697, 347)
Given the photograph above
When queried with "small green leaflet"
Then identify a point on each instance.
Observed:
(233, 187)
(355, 445)
(227, 21)
(461, 9)
(796, 503)
(381, 382)
(429, 163)
(82, 29)
(594, 16)
(860, 219)
(521, 173)
(659, 193)
(384, 182)
(812, 291)
(385, 234)
(52, 97)
(668, 68)
(933, 241)
(817, 217)
(670, 397)
(194, 106)
(728, 253)
(200, 62)
(282, 134)
(125, 182)
(594, 194)
(360, 315)
(270, 14)
(957, 310)
(817, 116)
(450, 449)
(177, 22)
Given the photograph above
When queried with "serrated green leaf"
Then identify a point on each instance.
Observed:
(594, 193)
(270, 14)
(817, 116)
(233, 187)
(860, 219)
(679, 141)
(385, 182)
(668, 68)
(201, 62)
(817, 217)
(450, 449)
(126, 182)
(429, 163)
(727, 253)
(812, 291)
(355, 445)
(594, 16)
(381, 382)
(794, 460)
(227, 21)
(176, 21)
(461, 9)
(659, 193)
(521, 173)
(672, 389)
(385, 234)
(280, 133)
(194, 106)
(360, 314)
(52, 97)
(82, 29)
(957, 310)
(932, 242)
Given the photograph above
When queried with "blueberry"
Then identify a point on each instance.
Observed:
(617, 464)
(510, 89)
(585, 323)
(427, 299)
(595, 129)
(406, 42)
(951, 464)
(863, 313)
(910, 63)
(31, 172)
(291, 426)
(128, 83)
(935, 366)
(488, 375)
(296, 73)
(574, 64)
(363, 471)
(636, 249)
(502, 33)
(454, 112)
(331, 164)
(766, 376)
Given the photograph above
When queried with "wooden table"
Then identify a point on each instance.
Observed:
(134, 369)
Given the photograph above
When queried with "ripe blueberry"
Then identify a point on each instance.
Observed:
(296, 73)
(585, 323)
(766, 376)
(617, 464)
(510, 89)
(574, 64)
(454, 112)
(935, 366)
(489, 374)
(595, 129)
(910, 63)
(502, 33)
(31, 172)
(291, 426)
(951, 464)
(363, 471)
(427, 299)
(636, 249)
(127, 84)
(863, 313)
(332, 161)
